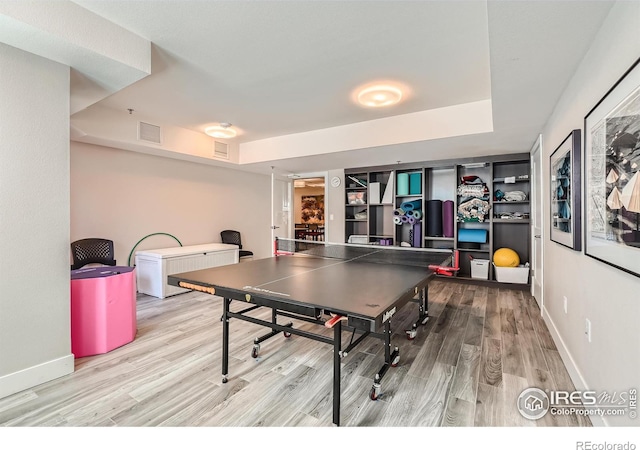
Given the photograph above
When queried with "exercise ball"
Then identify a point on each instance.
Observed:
(506, 257)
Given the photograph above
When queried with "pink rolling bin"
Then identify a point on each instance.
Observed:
(103, 309)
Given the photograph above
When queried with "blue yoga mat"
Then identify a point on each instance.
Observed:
(477, 236)
(410, 206)
(415, 183)
(403, 184)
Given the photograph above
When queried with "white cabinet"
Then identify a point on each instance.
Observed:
(154, 266)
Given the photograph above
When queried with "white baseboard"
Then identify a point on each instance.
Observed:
(577, 378)
(35, 375)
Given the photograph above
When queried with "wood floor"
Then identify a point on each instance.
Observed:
(466, 367)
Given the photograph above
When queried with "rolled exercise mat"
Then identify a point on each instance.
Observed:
(398, 212)
(417, 214)
(417, 234)
(415, 182)
(472, 235)
(447, 218)
(410, 206)
(412, 220)
(397, 220)
(403, 184)
(404, 219)
(434, 218)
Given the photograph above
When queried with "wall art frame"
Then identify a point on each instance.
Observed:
(612, 175)
(565, 189)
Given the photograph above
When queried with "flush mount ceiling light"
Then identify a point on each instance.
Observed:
(222, 131)
(379, 95)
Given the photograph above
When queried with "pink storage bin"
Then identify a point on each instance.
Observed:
(103, 309)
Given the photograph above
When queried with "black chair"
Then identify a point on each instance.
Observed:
(92, 251)
(233, 237)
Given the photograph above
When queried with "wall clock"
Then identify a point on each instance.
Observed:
(335, 182)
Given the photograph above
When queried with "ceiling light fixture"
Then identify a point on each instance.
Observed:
(379, 95)
(222, 131)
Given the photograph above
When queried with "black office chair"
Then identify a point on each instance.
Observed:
(92, 251)
(233, 237)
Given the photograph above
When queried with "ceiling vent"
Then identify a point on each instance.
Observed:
(220, 150)
(149, 133)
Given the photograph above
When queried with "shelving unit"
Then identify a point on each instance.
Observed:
(408, 191)
(482, 172)
(357, 208)
(368, 207)
(440, 184)
(380, 229)
(506, 223)
(512, 232)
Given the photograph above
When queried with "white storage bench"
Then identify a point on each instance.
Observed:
(154, 266)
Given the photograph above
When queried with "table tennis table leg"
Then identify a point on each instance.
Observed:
(257, 341)
(423, 313)
(225, 339)
(391, 359)
(337, 344)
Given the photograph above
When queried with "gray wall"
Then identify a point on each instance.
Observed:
(608, 297)
(125, 196)
(35, 341)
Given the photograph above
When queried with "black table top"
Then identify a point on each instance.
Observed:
(352, 287)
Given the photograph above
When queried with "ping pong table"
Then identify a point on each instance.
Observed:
(324, 284)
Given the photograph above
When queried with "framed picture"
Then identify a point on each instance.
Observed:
(612, 180)
(565, 193)
(312, 209)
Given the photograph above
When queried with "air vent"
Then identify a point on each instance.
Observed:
(220, 150)
(149, 133)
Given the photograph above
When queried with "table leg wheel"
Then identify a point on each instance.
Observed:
(374, 393)
(395, 361)
(255, 350)
(286, 334)
(224, 379)
(411, 334)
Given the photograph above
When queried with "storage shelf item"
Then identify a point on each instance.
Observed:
(480, 268)
(515, 202)
(517, 275)
(409, 197)
(511, 221)
(517, 180)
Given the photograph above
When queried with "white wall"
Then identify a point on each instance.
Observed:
(124, 196)
(608, 297)
(35, 343)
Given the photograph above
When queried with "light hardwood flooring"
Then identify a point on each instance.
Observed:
(466, 367)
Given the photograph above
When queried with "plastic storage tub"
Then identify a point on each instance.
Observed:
(518, 275)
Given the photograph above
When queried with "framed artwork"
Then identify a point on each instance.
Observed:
(565, 192)
(312, 209)
(612, 180)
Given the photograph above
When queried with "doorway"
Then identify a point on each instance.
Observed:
(537, 216)
(309, 207)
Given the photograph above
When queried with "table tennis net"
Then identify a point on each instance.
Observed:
(408, 256)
